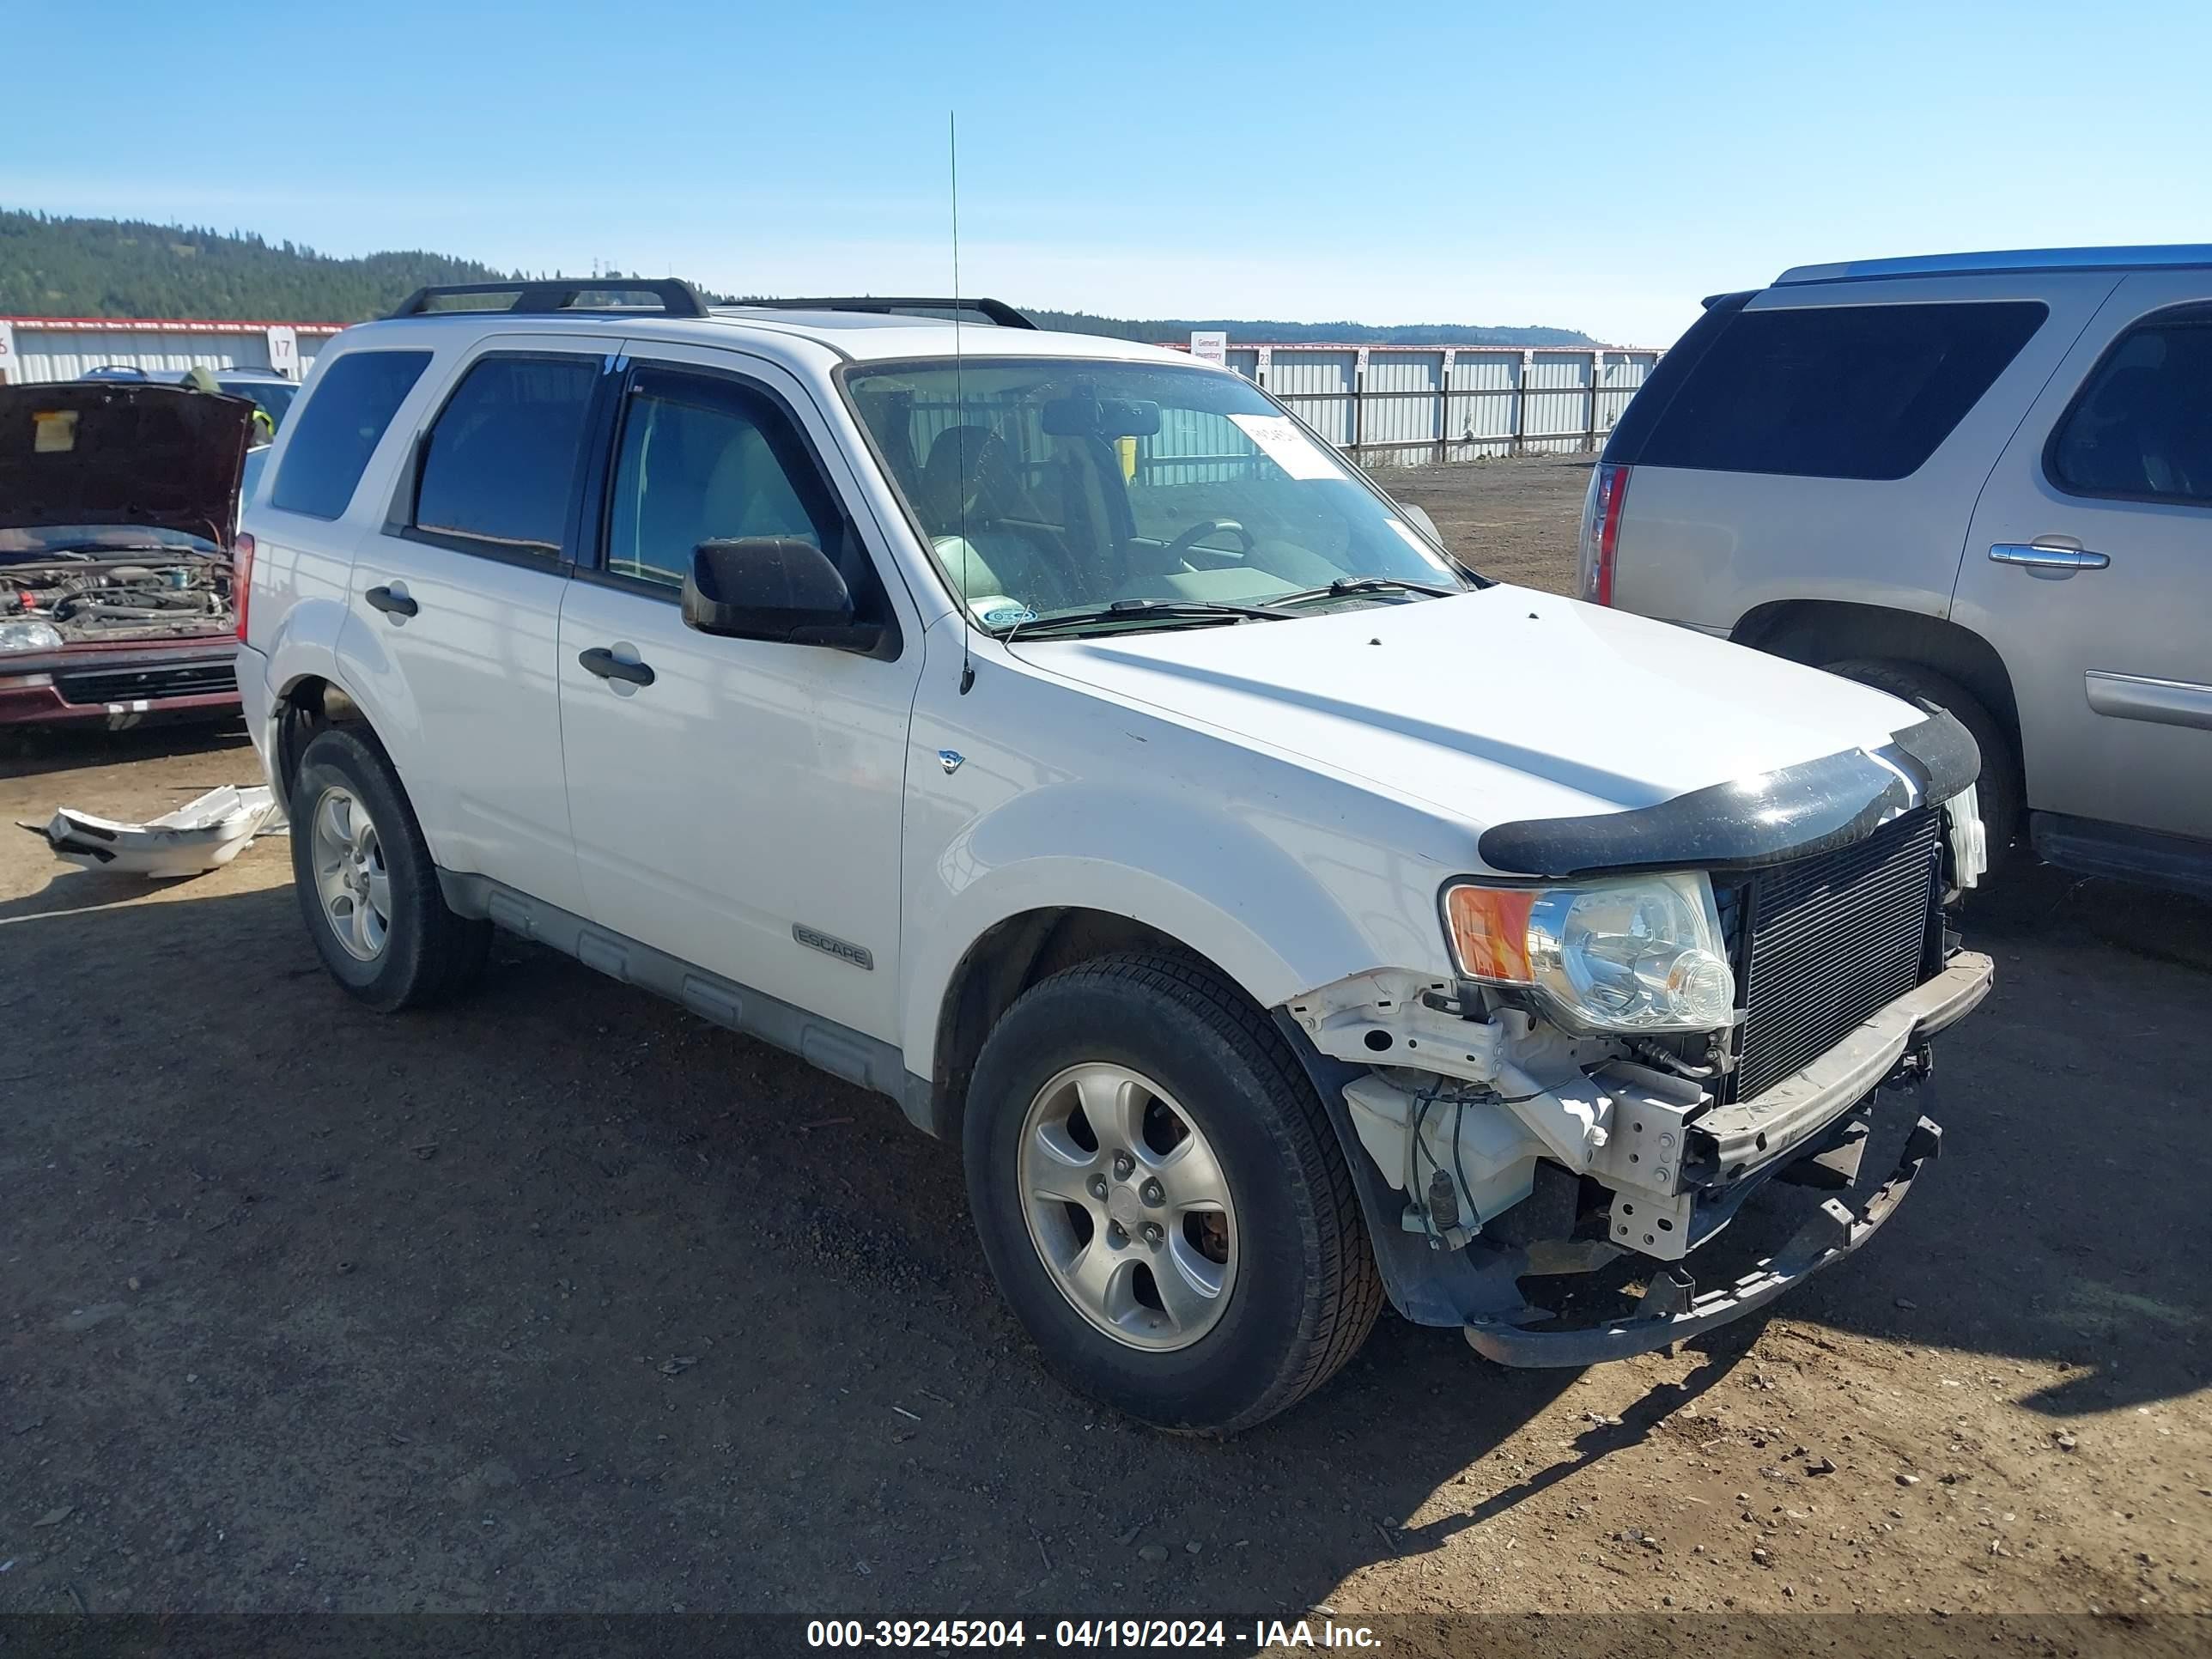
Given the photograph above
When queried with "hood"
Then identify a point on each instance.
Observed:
(160, 457)
(1506, 705)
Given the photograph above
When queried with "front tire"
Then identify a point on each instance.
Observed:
(1161, 1198)
(367, 888)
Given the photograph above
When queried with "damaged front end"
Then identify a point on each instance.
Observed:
(1624, 1060)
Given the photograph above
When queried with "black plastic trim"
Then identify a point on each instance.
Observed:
(834, 1048)
(998, 313)
(557, 298)
(1743, 824)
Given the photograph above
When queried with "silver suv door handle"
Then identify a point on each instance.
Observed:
(2040, 557)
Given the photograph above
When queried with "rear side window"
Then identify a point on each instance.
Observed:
(2141, 428)
(1838, 391)
(338, 429)
(501, 462)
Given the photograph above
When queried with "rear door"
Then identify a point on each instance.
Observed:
(741, 811)
(456, 604)
(2089, 566)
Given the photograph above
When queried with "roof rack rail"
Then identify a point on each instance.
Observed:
(995, 312)
(541, 297)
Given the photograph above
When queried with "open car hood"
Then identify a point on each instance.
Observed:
(113, 453)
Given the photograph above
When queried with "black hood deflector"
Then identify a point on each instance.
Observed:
(157, 457)
(1798, 811)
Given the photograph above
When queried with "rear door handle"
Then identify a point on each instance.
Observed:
(2036, 556)
(391, 604)
(608, 666)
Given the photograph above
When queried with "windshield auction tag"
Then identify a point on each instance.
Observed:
(1282, 442)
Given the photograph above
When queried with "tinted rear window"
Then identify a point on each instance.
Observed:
(338, 428)
(501, 460)
(2141, 428)
(1838, 391)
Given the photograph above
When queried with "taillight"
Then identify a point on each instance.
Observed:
(241, 578)
(1608, 494)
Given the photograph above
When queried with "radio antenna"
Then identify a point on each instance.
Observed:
(960, 410)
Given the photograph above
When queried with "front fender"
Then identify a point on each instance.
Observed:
(1246, 894)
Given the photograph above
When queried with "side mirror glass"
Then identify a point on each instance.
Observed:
(775, 588)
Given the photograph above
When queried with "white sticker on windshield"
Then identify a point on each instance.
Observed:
(1285, 442)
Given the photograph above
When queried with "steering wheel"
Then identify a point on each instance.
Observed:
(1199, 531)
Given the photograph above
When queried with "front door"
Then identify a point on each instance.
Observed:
(736, 803)
(2089, 566)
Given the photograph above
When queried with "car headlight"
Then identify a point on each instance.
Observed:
(29, 636)
(1641, 954)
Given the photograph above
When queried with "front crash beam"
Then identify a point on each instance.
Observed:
(1672, 1310)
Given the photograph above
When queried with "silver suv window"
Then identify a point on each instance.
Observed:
(1837, 392)
(2142, 429)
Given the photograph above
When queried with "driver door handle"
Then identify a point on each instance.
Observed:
(391, 603)
(2036, 556)
(608, 666)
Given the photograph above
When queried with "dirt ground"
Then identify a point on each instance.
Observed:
(563, 1300)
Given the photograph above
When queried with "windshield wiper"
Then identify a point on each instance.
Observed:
(1346, 586)
(1148, 611)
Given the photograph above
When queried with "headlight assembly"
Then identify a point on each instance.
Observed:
(29, 636)
(1641, 954)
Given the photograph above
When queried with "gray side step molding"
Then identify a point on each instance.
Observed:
(837, 1049)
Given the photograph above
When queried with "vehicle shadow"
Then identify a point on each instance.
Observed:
(31, 751)
(560, 1299)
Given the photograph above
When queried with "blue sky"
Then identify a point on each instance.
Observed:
(1595, 167)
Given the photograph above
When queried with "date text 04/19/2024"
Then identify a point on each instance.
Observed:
(1087, 1634)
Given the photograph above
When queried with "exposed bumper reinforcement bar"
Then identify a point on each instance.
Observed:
(1672, 1311)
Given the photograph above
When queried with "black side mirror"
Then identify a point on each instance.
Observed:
(773, 588)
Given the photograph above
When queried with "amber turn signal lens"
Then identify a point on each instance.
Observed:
(1490, 931)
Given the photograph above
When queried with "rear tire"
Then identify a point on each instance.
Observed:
(1998, 790)
(1175, 1063)
(367, 888)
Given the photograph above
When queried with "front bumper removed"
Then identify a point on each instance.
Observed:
(1672, 1310)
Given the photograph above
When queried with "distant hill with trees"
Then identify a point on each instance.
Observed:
(54, 266)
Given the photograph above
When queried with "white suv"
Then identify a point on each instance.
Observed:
(1048, 732)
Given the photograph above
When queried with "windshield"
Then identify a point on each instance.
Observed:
(271, 399)
(1056, 486)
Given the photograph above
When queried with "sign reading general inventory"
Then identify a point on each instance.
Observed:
(1210, 344)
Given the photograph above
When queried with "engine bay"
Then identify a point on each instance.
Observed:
(136, 598)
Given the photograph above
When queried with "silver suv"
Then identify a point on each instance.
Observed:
(1981, 481)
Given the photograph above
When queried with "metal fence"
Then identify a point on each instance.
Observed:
(1409, 405)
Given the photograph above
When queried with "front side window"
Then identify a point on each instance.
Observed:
(1067, 485)
(339, 427)
(500, 465)
(2141, 428)
(1838, 391)
(702, 459)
